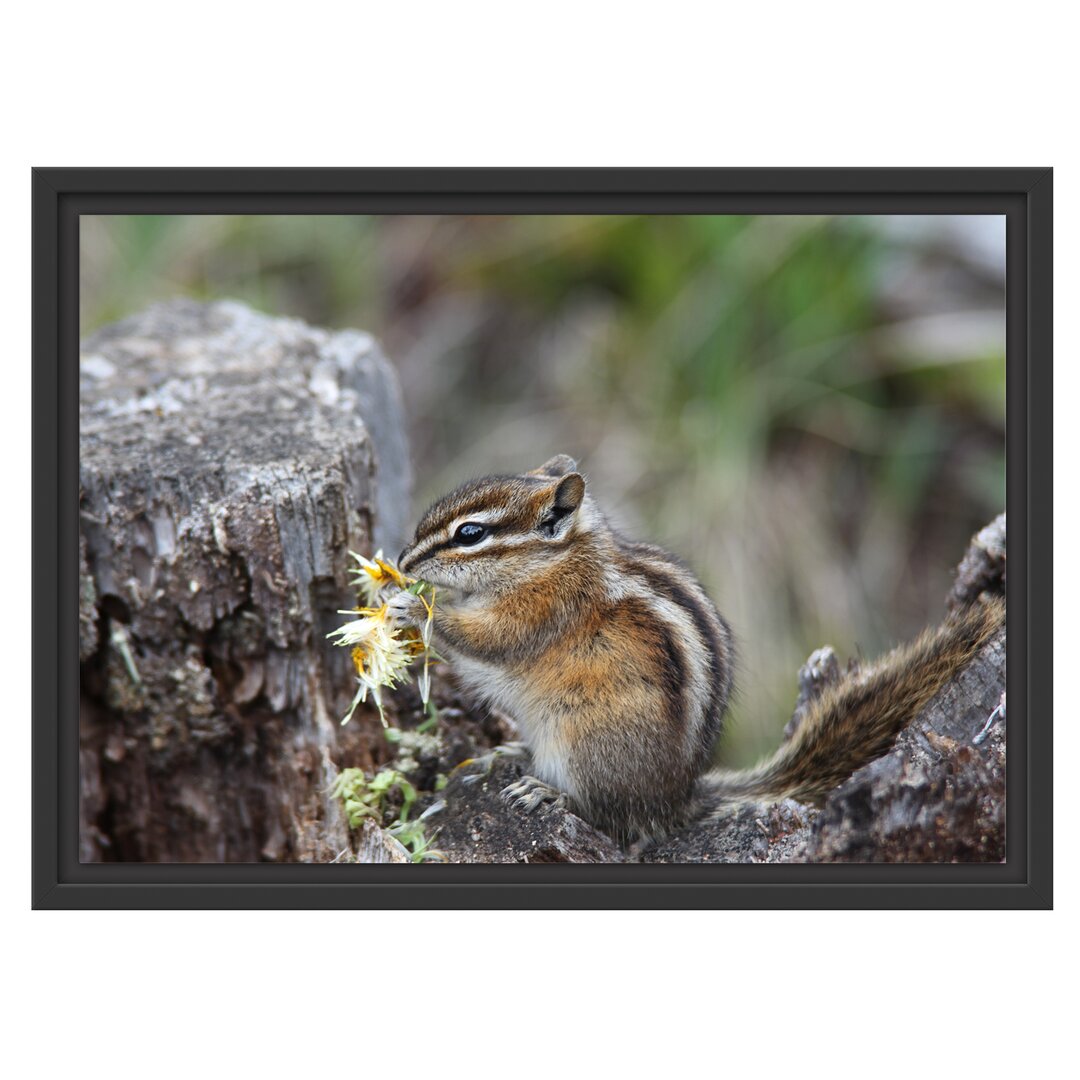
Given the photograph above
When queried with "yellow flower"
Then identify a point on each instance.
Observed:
(381, 653)
(371, 576)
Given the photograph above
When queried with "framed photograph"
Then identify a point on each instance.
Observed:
(542, 538)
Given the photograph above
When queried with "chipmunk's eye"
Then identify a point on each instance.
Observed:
(470, 533)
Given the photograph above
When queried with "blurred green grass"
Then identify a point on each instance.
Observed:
(810, 410)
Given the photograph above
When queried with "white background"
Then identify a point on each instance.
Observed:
(168, 994)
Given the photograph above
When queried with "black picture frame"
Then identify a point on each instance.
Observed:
(61, 195)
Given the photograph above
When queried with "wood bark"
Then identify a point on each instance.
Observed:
(228, 462)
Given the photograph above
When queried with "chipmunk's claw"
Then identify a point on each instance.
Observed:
(405, 609)
(528, 794)
(486, 762)
(510, 749)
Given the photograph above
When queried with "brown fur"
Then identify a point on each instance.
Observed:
(618, 668)
(857, 720)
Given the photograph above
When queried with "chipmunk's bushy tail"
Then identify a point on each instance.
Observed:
(856, 720)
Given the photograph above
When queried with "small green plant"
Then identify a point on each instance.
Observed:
(365, 798)
(412, 836)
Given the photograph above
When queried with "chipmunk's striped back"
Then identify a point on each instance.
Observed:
(616, 666)
(607, 654)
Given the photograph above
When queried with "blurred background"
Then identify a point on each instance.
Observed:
(809, 410)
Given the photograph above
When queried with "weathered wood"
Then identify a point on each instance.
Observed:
(375, 845)
(939, 794)
(228, 462)
(478, 826)
(983, 567)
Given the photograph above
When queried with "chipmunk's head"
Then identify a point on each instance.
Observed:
(494, 533)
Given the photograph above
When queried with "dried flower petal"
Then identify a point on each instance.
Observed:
(371, 576)
(381, 652)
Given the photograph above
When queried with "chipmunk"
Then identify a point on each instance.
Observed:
(617, 668)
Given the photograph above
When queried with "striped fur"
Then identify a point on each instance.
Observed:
(608, 655)
(617, 668)
(856, 720)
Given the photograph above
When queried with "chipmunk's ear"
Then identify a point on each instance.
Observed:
(561, 504)
(559, 465)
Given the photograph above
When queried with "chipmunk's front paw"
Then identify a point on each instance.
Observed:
(528, 794)
(405, 609)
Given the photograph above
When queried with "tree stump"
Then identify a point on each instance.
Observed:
(228, 462)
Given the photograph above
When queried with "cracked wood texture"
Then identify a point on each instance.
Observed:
(228, 462)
